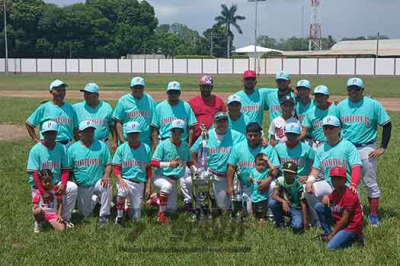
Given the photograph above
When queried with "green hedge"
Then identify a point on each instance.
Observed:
(194, 57)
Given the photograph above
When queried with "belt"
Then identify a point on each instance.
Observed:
(172, 177)
(132, 180)
(358, 145)
(217, 174)
(64, 142)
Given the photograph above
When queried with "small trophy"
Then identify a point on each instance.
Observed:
(237, 197)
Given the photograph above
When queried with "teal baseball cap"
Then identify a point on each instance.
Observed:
(85, 125)
(49, 126)
(178, 123)
(91, 87)
(331, 120)
(304, 83)
(174, 86)
(321, 89)
(135, 81)
(234, 98)
(57, 83)
(293, 128)
(220, 116)
(132, 127)
(355, 82)
(282, 75)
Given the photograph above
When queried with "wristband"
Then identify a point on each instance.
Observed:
(164, 164)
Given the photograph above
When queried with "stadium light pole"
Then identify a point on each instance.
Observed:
(5, 37)
(255, 32)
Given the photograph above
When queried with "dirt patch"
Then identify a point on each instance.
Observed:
(12, 132)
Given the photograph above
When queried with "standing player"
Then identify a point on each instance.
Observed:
(99, 112)
(303, 104)
(49, 154)
(220, 142)
(237, 120)
(169, 110)
(58, 111)
(312, 123)
(242, 158)
(171, 157)
(136, 106)
(90, 160)
(360, 118)
(132, 169)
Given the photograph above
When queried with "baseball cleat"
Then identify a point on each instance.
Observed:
(162, 218)
(37, 228)
(69, 225)
(373, 220)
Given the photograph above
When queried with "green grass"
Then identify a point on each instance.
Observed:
(379, 87)
(149, 243)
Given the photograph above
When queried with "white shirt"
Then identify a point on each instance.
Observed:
(277, 128)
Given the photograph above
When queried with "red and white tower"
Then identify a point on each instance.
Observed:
(315, 42)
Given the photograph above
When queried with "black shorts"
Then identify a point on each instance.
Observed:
(260, 209)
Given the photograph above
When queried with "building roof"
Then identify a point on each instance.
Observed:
(250, 49)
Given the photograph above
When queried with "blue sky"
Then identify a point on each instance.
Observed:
(282, 18)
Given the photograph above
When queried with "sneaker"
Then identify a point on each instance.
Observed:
(37, 228)
(118, 221)
(103, 221)
(374, 220)
(154, 200)
(162, 218)
(69, 225)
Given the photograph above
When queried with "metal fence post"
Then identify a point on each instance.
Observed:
(336, 68)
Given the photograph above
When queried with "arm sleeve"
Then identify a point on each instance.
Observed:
(355, 174)
(36, 197)
(149, 173)
(155, 163)
(36, 179)
(64, 177)
(118, 112)
(117, 170)
(386, 133)
(35, 118)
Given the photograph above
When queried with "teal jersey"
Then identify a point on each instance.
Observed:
(302, 109)
(273, 102)
(64, 116)
(360, 120)
(303, 155)
(88, 163)
(130, 109)
(256, 195)
(101, 116)
(238, 125)
(218, 151)
(166, 151)
(343, 154)
(133, 162)
(293, 193)
(165, 114)
(243, 157)
(254, 105)
(40, 157)
(313, 121)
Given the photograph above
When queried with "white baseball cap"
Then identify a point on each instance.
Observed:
(331, 120)
(91, 87)
(178, 123)
(293, 128)
(132, 127)
(233, 98)
(49, 126)
(57, 83)
(321, 89)
(86, 124)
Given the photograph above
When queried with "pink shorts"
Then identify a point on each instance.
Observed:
(50, 216)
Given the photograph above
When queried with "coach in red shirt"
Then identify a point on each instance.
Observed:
(206, 105)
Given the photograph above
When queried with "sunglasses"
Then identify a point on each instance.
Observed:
(354, 88)
(173, 92)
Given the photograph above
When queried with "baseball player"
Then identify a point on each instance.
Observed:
(90, 160)
(277, 127)
(136, 106)
(303, 104)
(312, 123)
(334, 152)
(133, 172)
(295, 151)
(243, 157)
(171, 158)
(220, 141)
(49, 154)
(360, 117)
(58, 111)
(237, 120)
(97, 111)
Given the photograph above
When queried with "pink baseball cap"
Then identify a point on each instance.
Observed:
(249, 74)
(206, 80)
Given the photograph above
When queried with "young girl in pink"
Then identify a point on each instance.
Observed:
(47, 205)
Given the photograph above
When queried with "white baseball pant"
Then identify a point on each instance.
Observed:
(369, 170)
(135, 192)
(186, 186)
(219, 189)
(167, 186)
(86, 202)
(321, 188)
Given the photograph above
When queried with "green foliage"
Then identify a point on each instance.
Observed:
(292, 43)
(193, 56)
(239, 56)
(271, 54)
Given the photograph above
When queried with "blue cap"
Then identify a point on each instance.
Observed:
(86, 124)
(91, 88)
(233, 98)
(49, 126)
(57, 83)
(178, 123)
(322, 89)
(137, 81)
(293, 128)
(304, 83)
(282, 75)
(174, 85)
(132, 127)
(355, 82)
(331, 120)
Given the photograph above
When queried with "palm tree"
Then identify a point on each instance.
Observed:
(228, 18)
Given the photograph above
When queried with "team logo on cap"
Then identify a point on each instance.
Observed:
(291, 126)
(138, 80)
(88, 122)
(328, 119)
(174, 85)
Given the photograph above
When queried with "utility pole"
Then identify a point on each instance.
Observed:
(255, 32)
(212, 44)
(5, 36)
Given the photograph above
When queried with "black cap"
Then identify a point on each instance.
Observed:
(286, 98)
(290, 167)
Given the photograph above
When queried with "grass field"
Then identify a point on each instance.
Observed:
(178, 243)
(379, 87)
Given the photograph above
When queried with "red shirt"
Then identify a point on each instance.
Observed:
(350, 202)
(205, 111)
